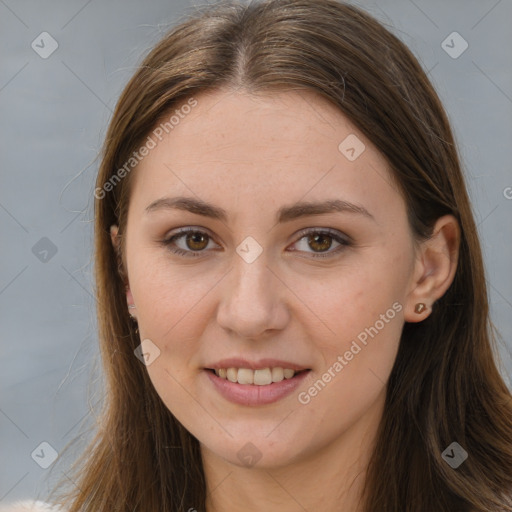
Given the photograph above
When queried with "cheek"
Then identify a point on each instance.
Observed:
(169, 298)
(358, 339)
(356, 328)
(173, 310)
(348, 300)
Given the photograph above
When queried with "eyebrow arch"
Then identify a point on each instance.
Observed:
(284, 214)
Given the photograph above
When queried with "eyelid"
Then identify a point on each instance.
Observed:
(188, 229)
(327, 231)
(179, 232)
(341, 238)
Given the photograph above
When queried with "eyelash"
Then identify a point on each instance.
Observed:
(344, 242)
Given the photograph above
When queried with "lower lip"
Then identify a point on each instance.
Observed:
(252, 394)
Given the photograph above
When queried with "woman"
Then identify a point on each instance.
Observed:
(291, 295)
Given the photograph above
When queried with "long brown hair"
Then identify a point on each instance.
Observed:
(444, 386)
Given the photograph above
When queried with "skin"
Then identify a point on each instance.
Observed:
(251, 155)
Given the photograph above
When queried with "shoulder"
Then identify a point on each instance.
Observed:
(29, 506)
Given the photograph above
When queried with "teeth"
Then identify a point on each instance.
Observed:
(277, 374)
(258, 377)
(245, 376)
(288, 374)
(232, 374)
(262, 377)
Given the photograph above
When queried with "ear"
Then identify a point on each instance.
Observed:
(435, 267)
(116, 242)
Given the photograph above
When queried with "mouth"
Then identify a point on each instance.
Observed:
(244, 386)
(259, 377)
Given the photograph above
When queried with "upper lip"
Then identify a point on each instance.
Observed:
(238, 362)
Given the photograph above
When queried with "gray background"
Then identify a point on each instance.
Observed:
(54, 114)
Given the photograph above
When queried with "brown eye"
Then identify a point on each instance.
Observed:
(188, 242)
(320, 242)
(316, 242)
(196, 241)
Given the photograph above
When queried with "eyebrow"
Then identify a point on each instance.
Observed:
(284, 214)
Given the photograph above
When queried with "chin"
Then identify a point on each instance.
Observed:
(254, 452)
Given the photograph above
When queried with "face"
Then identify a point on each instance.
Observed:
(240, 271)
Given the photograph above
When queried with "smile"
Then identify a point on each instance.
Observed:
(262, 390)
(261, 377)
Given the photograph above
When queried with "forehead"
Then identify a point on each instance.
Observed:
(265, 150)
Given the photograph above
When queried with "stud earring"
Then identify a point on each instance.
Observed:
(419, 307)
(131, 306)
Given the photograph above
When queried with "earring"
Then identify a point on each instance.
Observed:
(131, 306)
(420, 307)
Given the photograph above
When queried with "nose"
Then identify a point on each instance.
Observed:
(253, 299)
